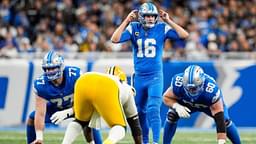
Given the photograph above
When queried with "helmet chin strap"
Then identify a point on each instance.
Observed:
(58, 81)
(149, 25)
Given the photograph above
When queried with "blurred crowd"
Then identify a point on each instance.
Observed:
(35, 26)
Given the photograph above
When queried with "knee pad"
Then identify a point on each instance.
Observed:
(172, 116)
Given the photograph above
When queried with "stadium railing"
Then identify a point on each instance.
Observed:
(120, 55)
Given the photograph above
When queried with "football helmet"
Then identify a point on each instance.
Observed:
(53, 65)
(148, 9)
(193, 80)
(117, 71)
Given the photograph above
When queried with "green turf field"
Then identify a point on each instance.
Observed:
(181, 137)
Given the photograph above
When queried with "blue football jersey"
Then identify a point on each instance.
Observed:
(59, 96)
(210, 94)
(148, 45)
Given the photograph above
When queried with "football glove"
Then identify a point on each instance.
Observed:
(59, 116)
(182, 111)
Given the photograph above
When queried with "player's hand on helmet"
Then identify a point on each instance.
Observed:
(132, 15)
(164, 15)
(37, 141)
(59, 116)
(182, 111)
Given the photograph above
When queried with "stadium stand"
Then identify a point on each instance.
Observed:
(31, 27)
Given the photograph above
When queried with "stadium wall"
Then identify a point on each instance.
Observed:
(235, 77)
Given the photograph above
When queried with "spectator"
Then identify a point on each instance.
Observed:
(194, 49)
(47, 19)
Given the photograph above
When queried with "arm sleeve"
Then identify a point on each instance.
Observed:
(129, 106)
(220, 123)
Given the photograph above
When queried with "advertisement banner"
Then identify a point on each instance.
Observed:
(235, 78)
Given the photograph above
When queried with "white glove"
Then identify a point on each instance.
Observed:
(221, 141)
(59, 116)
(182, 111)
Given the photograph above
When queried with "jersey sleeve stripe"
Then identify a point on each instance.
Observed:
(129, 29)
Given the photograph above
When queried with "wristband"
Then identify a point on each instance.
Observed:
(39, 135)
(70, 112)
(221, 141)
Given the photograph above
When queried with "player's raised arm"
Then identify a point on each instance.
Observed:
(118, 32)
(165, 17)
(217, 112)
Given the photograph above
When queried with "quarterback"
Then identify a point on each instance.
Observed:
(147, 36)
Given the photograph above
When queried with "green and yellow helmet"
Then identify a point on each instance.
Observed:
(117, 71)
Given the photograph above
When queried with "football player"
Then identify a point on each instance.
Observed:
(147, 37)
(195, 91)
(54, 96)
(109, 96)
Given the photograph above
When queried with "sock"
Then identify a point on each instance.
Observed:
(153, 115)
(116, 133)
(97, 136)
(31, 134)
(144, 127)
(232, 133)
(72, 131)
(155, 121)
(169, 131)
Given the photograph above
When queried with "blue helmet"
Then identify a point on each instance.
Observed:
(53, 65)
(148, 9)
(193, 80)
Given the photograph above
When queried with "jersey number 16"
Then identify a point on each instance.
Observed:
(149, 48)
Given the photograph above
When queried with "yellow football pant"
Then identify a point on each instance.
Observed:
(94, 91)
